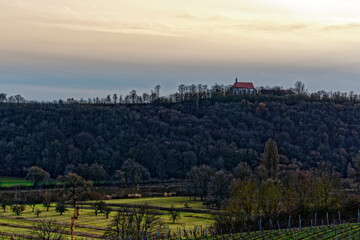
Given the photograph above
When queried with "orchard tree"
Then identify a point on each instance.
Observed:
(99, 206)
(107, 211)
(32, 204)
(47, 204)
(61, 207)
(47, 230)
(135, 223)
(5, 203)
(174, 213)
(18, 209)
(37, 212)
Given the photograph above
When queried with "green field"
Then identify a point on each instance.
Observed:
(9, 182)
(90, 226)
(12, 182)
(167, 202)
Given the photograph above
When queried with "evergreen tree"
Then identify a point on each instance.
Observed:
(270, 160)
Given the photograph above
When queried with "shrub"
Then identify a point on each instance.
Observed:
(18, 209)
(61, 208)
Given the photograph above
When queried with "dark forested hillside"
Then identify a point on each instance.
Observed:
(168, 139)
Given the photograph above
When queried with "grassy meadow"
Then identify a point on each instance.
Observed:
(193, 214)
(13, 182)
(9, 182)
(89, 225)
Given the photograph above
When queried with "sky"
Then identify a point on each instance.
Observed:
(55, 49)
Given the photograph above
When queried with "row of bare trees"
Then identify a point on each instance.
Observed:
(12, 99)
(191, 92)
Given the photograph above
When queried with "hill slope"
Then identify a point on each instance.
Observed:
(170, 139)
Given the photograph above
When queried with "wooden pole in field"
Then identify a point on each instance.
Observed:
(74, 218)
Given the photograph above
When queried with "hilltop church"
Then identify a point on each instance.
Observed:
(243, 87)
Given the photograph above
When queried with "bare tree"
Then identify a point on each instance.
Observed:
(299, 88)
(37, 212)
(19, 99)
(32, 204)
(137, 223)
(192, 182)
(221, 181)
(2, 97)
(157, 90)
(115, 98)
(146, 98)
(327, 185)
(47, 204)
(36, 175)
(174, 213)
(46, 230)
(5, 203)
(107, 211)
(18, 209)
(244, 197)
(133, 96)
(75, 185)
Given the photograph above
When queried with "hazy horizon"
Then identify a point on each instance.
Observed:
(59, 49)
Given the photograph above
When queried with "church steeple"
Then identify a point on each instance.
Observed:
(236, 80)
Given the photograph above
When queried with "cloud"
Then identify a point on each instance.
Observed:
(180, 23)
(354, 26)
(271, 27)
(130, 28)
(216, 17)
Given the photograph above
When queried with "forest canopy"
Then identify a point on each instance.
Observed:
(169, 136)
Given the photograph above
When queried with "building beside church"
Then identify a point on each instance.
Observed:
(276, 92)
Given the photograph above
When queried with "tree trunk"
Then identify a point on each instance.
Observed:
(73, 218)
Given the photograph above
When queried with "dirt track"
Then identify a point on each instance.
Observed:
(154, 207)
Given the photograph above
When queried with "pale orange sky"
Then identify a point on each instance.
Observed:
(97, 46)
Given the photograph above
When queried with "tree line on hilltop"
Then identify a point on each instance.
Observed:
(194, 93)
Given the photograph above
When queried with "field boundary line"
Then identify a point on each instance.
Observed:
(154, 207)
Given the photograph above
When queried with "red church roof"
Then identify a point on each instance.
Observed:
(246, 85)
